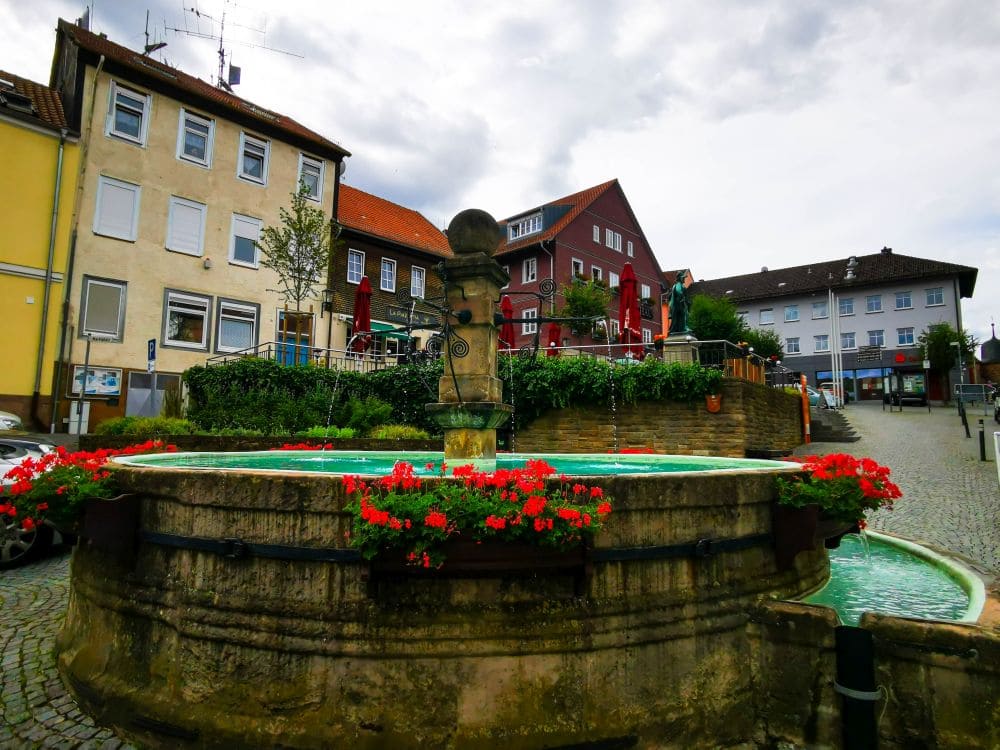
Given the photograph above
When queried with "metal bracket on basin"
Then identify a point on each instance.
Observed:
(237, 549)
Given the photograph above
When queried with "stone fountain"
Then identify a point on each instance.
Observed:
(471, 405)
(238, 616)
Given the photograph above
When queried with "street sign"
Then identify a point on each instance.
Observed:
(869, 354)
(151, 355)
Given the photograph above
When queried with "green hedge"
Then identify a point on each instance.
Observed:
(263, 395)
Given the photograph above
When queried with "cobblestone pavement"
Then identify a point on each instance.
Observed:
(35, 709)
(951, 499)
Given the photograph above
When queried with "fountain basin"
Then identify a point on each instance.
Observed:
(894, 576)
(196, 641)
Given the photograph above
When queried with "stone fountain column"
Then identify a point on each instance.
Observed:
(470, 395)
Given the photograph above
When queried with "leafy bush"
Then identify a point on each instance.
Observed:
(263, 395)
(332, 433)
(398, 432)
(144, 427)
(559, 382)
(364, 414)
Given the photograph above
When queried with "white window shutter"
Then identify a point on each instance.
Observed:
(186, 227)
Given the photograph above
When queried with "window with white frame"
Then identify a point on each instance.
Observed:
(529, 326)
(631, 249)
(873, 303)
(876, 338)
(387, 277)
(418, 278)
(766, 317)
(904, 336)
(185, 320)
(845, 306)
(577, 265)
(254, 154)
(596, 273)
(848, 340)
(529, 270)
(186, 226)
(238, 323)
(311, 175)
(597, 233)
(195, 136)
(935, 296)
(355, 266)
(821, 343)
(904, 301)
(524, 226)
(116, 213)
(616, 329)
(821, 309)
(613, 240)
(613, 280)
(506, 270)
(128, 114)
(243, 244)
(791, 313)
(102, 307)
(645, 292)
(647, 336)
(792, 345)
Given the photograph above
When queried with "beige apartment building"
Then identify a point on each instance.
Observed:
(177, 180)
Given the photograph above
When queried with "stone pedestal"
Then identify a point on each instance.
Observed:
(681, 347)
(470, 394)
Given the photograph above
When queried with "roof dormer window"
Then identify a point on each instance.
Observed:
(524, 226)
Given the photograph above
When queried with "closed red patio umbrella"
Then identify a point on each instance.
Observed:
(628, 313)
(506, 337)
(553, 339)
(362, 316)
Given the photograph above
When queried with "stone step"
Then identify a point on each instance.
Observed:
(831, 426)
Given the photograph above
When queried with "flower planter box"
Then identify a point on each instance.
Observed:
(796, 530)
(111, 525)
(466, 558)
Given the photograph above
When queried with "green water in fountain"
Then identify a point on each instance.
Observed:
(378, 463)
(891, 580)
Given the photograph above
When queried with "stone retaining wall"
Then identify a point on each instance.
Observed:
(941, 680)
(754, 419)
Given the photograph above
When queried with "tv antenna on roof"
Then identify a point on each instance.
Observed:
(147, 48)
(234, 72)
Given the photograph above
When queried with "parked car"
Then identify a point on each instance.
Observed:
(816, 398)
(18, 546)
(10, 421)
(832, 400)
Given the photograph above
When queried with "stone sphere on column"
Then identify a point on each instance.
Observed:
(474, 231)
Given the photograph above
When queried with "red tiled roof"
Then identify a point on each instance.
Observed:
(186, 84)
(46, 101)
(378, 217)
(578, 202)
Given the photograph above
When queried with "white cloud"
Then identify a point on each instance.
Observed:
(744, 134)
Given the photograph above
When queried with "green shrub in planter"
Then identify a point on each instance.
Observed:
(398, 432)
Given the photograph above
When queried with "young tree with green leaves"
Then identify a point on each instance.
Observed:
(715, 319)
(298, 249)
(585, 299)
(935, 343)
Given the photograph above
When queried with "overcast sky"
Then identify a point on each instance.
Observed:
(745, 134)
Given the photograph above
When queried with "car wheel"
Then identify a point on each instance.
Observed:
(18, 546)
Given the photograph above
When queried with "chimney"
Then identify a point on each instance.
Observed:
(886, 251)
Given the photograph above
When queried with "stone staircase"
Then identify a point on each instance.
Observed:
(831, 426)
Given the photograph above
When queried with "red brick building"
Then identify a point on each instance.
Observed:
(589, 234)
